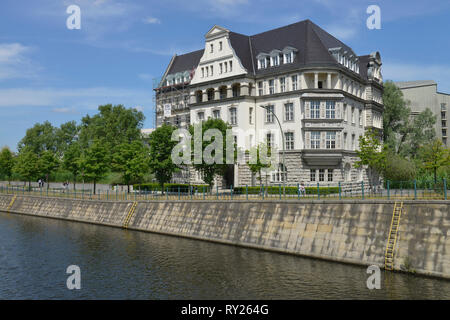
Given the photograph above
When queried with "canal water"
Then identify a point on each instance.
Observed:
(118, 264)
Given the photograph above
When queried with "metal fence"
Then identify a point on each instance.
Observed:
(406, 190)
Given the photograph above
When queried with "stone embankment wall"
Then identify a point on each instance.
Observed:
(345, 231)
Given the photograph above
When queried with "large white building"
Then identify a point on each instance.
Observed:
(324, 95)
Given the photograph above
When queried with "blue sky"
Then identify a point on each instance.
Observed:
(48, 72)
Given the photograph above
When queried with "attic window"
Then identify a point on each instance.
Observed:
(262, 63)
(220, 45)
(212, 48)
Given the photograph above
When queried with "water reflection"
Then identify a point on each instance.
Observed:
(118, 264)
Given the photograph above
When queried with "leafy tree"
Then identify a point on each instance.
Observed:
(260, 159)
(434, 156)
(6, 163)
(27, 165)
(398, 168)
(71, 161)
(48, 163)
(161, 145)
(94, 163)
(132, 161)
(113, 125)
(210, 170)
(371, 154)
(66, 135)
(40, 138)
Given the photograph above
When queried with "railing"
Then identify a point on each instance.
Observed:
(388, 190)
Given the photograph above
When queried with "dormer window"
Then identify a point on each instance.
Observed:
(220, 46)
(212, 48)
(262, 63)
(288, 57)
(275, 61)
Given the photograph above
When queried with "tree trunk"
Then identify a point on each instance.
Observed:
(95, 185)
(48, 184)
(435, 175)
(74, 182)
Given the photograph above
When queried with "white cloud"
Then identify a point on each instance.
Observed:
(14, 62)
(152, 20)
(409, 72)
(342, 32)
(64, 110)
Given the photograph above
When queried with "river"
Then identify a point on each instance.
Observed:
(119, 264)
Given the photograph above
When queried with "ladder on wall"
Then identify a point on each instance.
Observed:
(392, 239)
(129, 215)
(11, 203)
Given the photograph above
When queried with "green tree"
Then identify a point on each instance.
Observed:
(6, 163)
(71, 161)
(94, 163)
(66, 135)
(371, 154)
(434, 156)
(260, 158)
(161, 145)
(27, 165)
(132, 161)
(40, 138)
(398, 168)
(211, 170)
(48, 163)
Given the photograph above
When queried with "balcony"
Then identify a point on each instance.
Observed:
(322, 157)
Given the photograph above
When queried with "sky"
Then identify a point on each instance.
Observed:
(49, 72)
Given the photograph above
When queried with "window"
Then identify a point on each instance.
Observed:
(203, 72)
(225, 64)
(280, 174)
(315, 109)
(269, 114)
(443, 123)
(330, 111)
(295, 82)
(231, 66)
(220, 45)
(269, 140)
(233, 116)
(282, 84)
(262, 63)
(220, 68)
(210, 94)
(212, 71)
(443, 107)
(353, 142)
(353, 115)
(289, 140)
(345, 113)
(288, 57)
(271, 86)
(199, 96)
(315, 139)
(250, 115)
(223, 92)
(330, 175)
(360, 118)
(260, 88)
(289, 112)
(320, 84)
(236, 90)
(216, 114)
(444, 132)
(212, 48)
(331, 140)
(312, 175)
(345, 140)
(200, 116)
(321, 174)
(443, 115)
(275, 61)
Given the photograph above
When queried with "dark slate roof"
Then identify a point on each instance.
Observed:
(186, 62)
(311, 41)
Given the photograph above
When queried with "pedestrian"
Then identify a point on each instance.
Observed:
(302, 189)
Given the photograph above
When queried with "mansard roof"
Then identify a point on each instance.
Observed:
(312, 43)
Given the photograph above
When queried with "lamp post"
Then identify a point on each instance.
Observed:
(283, 153)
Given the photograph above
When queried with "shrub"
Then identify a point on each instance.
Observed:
(288, 190)
(171, 187)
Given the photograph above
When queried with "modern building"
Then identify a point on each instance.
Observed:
(324, 95)
(423, 95)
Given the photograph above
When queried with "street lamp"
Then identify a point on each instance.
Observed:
(283, 151)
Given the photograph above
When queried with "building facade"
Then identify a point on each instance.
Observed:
(423, 95)
(322, 93)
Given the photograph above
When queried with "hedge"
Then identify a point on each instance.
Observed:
(171, 187)
(288, 190)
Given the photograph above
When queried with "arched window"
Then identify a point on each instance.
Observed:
(236, 90)
(223, 92)
(199, 96)
(210, 93)
(280, 175)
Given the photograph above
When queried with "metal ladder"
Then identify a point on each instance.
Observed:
(129, 215)
(11, 203)
(392, 239)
